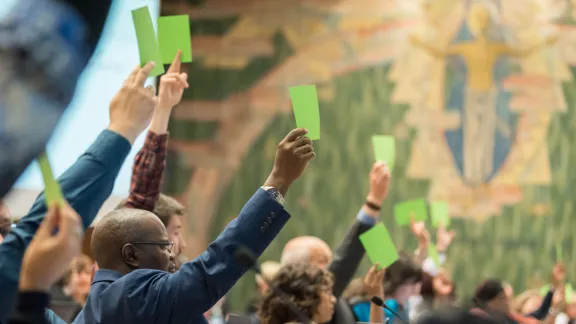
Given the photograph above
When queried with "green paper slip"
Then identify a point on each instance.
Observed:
(384, 149)
(174, 35)
(147, 44)
(52, 191)
(559, 254)
(439, 213)
(568, 293)
(433, 253)
(306, 109)
(544, 290)
(403, 210)
(379, 246)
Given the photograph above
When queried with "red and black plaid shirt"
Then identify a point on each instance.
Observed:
(149, 165)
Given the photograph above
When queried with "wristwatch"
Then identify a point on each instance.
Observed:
(275, 194)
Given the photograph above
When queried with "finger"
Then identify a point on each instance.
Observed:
(143, 74)
(184, 79)
(308, 156)
(69, 225)
(151, 89)
(176, 63)
(50, 222)
(130, 80)
(295, 133)
(304, 149)
(302, 141)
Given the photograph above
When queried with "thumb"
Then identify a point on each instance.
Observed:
(50, 222)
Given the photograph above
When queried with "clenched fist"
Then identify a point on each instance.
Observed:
(292, 157)
(132, 107)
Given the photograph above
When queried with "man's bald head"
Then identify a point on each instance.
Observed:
(307, 249)
(124, 227)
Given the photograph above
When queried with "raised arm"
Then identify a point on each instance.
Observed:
(201, 283)
(525, 52)
(436, 52)
(350, 253)
(87, 183)
(374, 282)
(150, 162)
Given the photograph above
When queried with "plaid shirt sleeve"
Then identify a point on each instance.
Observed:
(149, 165)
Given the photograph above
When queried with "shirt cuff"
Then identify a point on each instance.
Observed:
(365, 219)
(156, 143)
(32, 300)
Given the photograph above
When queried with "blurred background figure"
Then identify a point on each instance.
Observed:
(269, 270)
(69, 294)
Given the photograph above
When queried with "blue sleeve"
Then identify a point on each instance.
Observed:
(86, 185)
(393, 305)
(541, 313)
(365, 219)
(202, 282)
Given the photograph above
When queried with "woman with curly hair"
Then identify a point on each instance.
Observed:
(309, 287)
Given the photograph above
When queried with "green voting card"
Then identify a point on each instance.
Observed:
(544, 290)
(568, 293)
(306, 109)
(174, 35)
(415, 208)
(433, 253)
(439, 213)
(384, 149)
(147, 43)
(379, 246)
(52, 191)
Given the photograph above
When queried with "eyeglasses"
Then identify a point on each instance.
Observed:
(166, 244)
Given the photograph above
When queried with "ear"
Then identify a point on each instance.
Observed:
(129, 256)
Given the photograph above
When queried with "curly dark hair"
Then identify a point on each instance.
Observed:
(303, 283)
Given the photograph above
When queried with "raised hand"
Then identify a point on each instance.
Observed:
(374, 281)
(292, 157)
(444, 238)
(132, 107)
(56, 243)
(379, 183)
(172, 85)
(420, 232)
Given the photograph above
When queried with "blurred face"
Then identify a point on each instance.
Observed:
(174, 230)
(325, 310)
(407, 291)
(153, 252)
(499, 303)
(79, 284)
(320, 255)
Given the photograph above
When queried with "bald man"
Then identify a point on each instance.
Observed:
(349, 254)
(133, 251)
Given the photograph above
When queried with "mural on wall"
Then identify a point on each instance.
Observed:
(479, 94)
(482, 88)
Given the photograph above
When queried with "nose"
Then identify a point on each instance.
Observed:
(183, 244)
(172, 256)
(333, 299)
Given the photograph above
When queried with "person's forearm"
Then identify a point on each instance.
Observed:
(85, 185)
(149, 165)
(159, 124)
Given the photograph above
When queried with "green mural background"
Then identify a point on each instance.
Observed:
(517, 245)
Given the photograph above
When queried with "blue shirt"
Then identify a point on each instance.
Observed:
(86, 185)
(152, 296)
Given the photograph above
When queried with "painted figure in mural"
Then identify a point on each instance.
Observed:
(487, 131)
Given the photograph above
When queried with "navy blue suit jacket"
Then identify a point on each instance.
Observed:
(153, 296)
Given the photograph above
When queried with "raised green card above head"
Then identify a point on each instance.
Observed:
(379, 246)
(147, 44)
(52, 191)
(384, 149)
(440, 214)
(306, 109)
(412, 208)
(174, 35)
